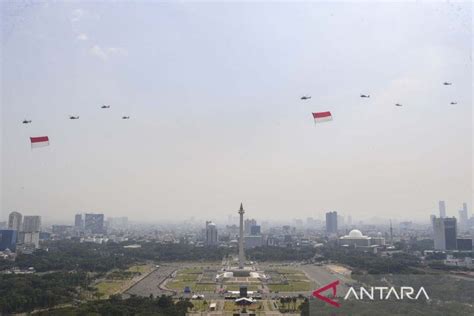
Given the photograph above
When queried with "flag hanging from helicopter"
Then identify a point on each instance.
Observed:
(320, 117)
(37, 142)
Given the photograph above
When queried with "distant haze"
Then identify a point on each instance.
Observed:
(213, 94)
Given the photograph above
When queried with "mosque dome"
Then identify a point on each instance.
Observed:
(355, 233)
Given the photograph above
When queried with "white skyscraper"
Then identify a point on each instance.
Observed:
(14, 221)
(31, 224)
(442, 209)
(444, 233)
(438, 234)
(211, 234)
(463, 217)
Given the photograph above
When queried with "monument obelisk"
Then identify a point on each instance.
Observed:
(241, 238)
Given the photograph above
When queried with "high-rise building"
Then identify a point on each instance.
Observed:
(31, 238)
(31, 224)
(331, 222)
(464, 244)
(463, 217)
(450, 229)
(211, 234)
(8, 239)
(14, 221)
(94, 223)
(445, 233)
(442, 209)
(248, 223)
(78, 222)
(255, 230)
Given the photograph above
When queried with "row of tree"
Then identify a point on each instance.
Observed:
(116, 306)
(371, 263)
(25, 292)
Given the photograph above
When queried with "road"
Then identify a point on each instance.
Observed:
(322, 276)
(150, 284)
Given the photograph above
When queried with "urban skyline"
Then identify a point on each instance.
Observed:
(236, 158)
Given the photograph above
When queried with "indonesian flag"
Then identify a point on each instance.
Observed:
(41, 141)
(320, 117)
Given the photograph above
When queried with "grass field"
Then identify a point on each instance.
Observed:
(189, 277)
(204, 287)
(230, 306)
(297, 281)
(235, 287)
(291, 287)
(142, 268)
(289, 306)
(106, 288)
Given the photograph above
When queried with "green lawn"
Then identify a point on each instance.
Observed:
(204, 288)
(297, 281)
(107, 288)
(235, 287)
(142, 268)
(293, 286)
(230, 306)
(189, 277)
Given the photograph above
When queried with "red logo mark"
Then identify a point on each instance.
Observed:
(332, 286)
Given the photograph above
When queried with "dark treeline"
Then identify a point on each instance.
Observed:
(371, 263)
(177, 252)
(280, 254)
(115, 306)
(68, 255)
(25, 292)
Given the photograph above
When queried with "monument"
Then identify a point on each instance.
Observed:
(242, 273)
(241, 238)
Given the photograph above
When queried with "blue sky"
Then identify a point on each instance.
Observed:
(213, 93)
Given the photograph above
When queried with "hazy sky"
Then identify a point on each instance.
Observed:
(213, 93)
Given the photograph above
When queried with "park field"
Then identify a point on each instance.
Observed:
(189, 277)
(118, 281)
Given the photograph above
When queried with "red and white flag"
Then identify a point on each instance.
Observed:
(41, 141)
(320, 117)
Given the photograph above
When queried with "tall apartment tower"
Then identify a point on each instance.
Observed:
(442, 209)
(31, 230)
(78, 222)
(445, 233)
(331, 222)
(94, 223)
(31, 224)
(463, 217)
(211, 234)
(14, 221)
